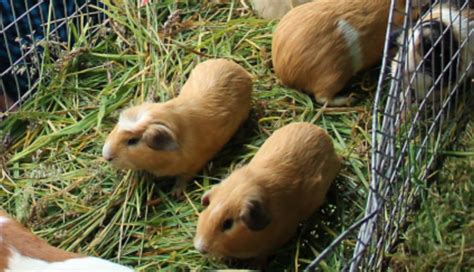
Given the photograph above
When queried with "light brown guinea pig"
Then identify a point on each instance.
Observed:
(178, 137)
(275, 9)
(317, 47)
(258, 207)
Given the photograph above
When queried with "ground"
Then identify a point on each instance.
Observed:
(55, 181)
(441, 234)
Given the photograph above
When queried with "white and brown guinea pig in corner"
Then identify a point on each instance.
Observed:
(437, 40)
(178, 137)
(22, 251)
(275, 9)
(317, 47)
(258, 207)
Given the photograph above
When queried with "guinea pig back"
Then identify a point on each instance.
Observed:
(178, 137)
(317, 47)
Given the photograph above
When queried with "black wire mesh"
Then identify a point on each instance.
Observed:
(29, 28)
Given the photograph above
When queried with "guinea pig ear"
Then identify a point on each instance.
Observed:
(254, 216)
(160, 137)
(393, 40)
(205, 200)
(431, 31)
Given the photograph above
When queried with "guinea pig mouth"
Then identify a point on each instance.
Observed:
(120, 164)
(219, 255)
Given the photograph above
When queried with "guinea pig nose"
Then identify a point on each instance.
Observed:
(107, 154)
(200, 246)
(109, 159)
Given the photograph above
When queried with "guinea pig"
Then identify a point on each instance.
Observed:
(258, 207)
(437, 54)
(178, 137)
(21, 250)
(317, 47)
(275, 9)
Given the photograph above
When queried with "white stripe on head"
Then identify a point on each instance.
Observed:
(130, 120)
(351, 36)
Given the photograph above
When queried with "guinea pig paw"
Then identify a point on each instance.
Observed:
(178, 192)
(179, 188)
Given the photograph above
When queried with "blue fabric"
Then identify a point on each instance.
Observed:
(20, 33)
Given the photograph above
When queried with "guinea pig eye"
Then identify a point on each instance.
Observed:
(227, 224)
(133, 141)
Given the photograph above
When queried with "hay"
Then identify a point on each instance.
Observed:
(55, 181)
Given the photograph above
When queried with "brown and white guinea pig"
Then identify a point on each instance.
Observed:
(437, 52)
(21, 251)
(317, 47)
(258, 207)
(275, 9)
(178, 137)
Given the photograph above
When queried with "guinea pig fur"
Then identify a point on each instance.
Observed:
(433, 42)
(21, 250)
(317, 47)
(258, 207)
(178, 137)
(275, 9)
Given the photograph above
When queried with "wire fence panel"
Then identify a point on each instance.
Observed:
(416, 114)
(421, 96)
(29, 31)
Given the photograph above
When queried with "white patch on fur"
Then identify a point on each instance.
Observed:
(413, 54)
(87, 264)
(130, 122)
(352, 38)
(3, 220)
(19, 263)
(458, 22)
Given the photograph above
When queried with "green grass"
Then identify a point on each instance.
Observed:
(440, 236)
(55, 181)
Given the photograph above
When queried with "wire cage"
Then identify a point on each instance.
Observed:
(30, 31)
(421, 95)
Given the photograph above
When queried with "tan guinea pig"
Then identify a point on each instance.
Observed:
(317, 47)
(275, 9)
(258, 207)
(178, 137)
